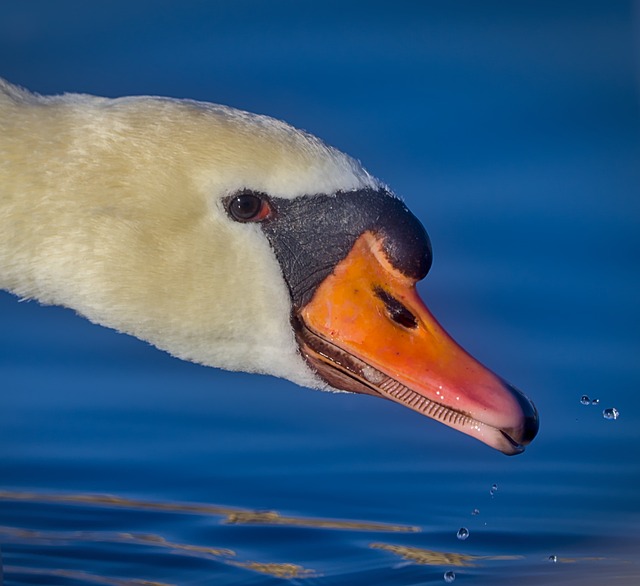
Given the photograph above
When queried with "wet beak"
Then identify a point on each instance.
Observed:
(367, 330)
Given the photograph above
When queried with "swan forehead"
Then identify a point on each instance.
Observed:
(216, 149)
(241, 150)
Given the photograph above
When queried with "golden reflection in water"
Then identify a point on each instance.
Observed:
(62, 538)
(429, 557)
(273, 518)
(222, 555)
(232, 515)
(84, 577)
(287, 571)
(150, 539)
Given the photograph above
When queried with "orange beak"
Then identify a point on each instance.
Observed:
(367, 330)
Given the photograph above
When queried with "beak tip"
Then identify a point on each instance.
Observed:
(523, 434)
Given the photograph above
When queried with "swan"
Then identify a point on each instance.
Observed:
(236, 241)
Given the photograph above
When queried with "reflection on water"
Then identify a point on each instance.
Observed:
(48, 576)
(277, 570)
(59, 539)
(273, 518)
(428, 557)
(89, 546)
(232, 515)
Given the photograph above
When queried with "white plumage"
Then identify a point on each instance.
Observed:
(113, 208)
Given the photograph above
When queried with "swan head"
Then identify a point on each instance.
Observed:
(234, 240)
(350, 254)
(359, 323)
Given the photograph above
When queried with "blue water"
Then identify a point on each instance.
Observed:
(513, 131)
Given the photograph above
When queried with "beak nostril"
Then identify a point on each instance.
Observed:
(396, 310)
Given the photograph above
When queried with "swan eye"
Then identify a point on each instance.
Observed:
(248, 207)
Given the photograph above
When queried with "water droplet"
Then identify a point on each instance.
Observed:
(475, 512)
(553, 559)
(449, 577)
(585, 400)
(610, 413)
(494, 489)
(463, 533)
(595, 401)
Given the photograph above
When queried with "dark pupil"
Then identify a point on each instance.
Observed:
(246, 206)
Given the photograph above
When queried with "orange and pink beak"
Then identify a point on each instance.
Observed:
(366, 330)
